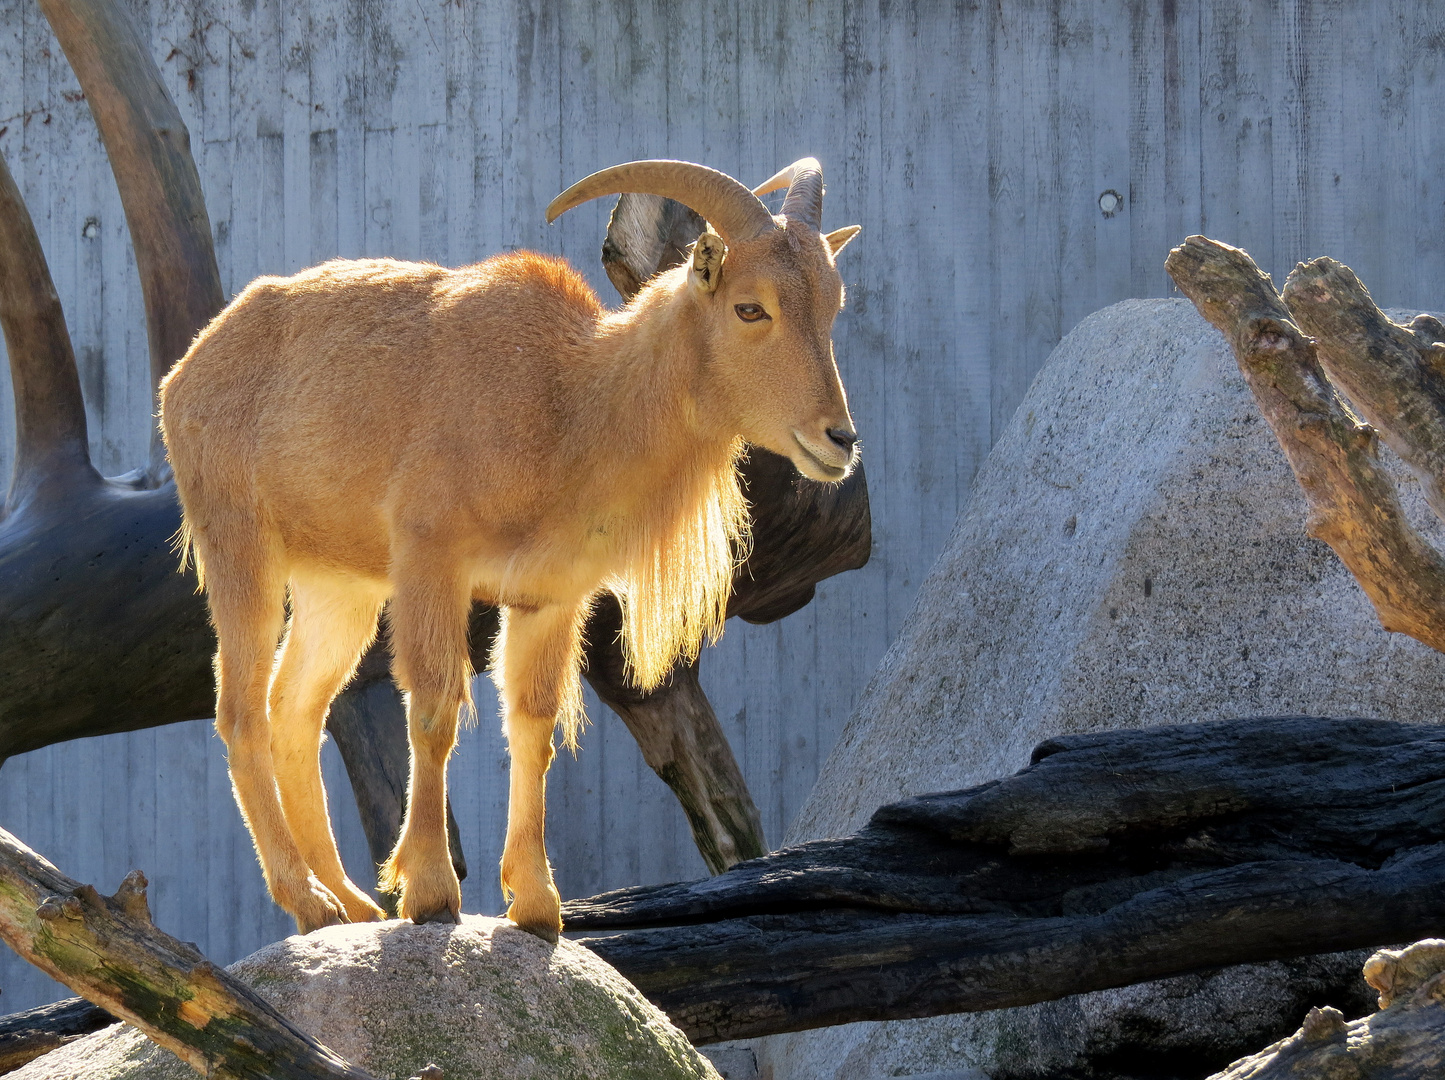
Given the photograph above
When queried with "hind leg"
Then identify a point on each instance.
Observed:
(245, 588)
(333, 620)
(429, 639)
(535, 665)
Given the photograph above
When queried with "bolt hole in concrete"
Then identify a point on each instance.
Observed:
(1110, 203)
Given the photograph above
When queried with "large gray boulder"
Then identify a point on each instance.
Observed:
(483, 1000)
(1133, 553)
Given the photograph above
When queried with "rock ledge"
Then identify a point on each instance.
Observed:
(483, 1000)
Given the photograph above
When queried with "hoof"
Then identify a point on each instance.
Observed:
(441, 902)
(546, 933)
(315, 906)
(359, 907)
(543, 919)
(443, 915)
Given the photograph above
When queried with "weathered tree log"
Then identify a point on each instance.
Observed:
(106, 947)
(1353, 505)
(150, 155)
(1404, 1041)
(1116, 858)
(682, 741)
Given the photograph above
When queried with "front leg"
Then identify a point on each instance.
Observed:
(429, 636)
(535, 664)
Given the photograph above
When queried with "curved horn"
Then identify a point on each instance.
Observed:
(804, 181)
(734, 211)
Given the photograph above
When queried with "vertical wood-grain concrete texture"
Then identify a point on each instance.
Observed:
(972, 141)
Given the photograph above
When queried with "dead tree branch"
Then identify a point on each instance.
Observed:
(107, 948)
(1391, 374)
(1116, 858)
(150, 154)
(25, 1036)
(1353, 505)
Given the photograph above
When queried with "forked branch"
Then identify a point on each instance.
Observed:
(1393, 375)
(1353, 505)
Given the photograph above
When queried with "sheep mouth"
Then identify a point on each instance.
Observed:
(832, 473)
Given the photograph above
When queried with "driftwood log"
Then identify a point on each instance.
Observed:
(25, 1036)
(100, 634)
(1115, 858)
(106, 947)
(1316, 357)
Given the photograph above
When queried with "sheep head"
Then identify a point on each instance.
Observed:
(766, 291)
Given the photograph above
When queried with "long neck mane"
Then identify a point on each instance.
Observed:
(681, 518)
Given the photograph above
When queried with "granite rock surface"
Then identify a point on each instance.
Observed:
(482, 1000)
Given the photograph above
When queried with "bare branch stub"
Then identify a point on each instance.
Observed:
(107, 949)
(1353, 505)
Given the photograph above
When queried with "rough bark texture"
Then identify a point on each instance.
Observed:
(1116, 858)
(1353, 505)
(107, 948)
(1404, 1041)
(681, 740)
(97, 630)
(1391, 374)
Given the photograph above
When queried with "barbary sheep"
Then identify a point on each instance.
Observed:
(372, 431)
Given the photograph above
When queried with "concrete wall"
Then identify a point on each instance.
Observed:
(972, 141)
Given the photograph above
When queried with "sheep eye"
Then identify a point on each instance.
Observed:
(751, 312)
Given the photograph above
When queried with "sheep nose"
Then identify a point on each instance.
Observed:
(844, 438)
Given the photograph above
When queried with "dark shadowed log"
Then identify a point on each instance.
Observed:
(150, 154)
(52, 454)
(25, 1036)
(98, 632)
(1116, 858)
(681, 740)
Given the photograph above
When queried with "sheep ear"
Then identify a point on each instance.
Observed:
(707, 261)
(838, 238)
